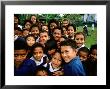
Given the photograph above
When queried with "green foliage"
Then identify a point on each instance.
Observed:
(92, 38)
(74, 18)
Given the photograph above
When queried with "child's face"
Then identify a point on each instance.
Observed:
(58, 42)
(45, 28)
(56, 60)
(44, 37)
(57, 34)
(25, 33)
(42, 73)
(83, 55)
(64, 31)
(18, 33)
(79, 40)
(35, 31)
(68, 53)
(38, 53)
(33, 19)
(20, 55)
(30, 41)
(15, 20)
(51, 52)
(65, 23)
(70, 31)
(93, 55)
(53, 25)
(27, 25)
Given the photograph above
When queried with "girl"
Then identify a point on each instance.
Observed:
(80, 40)
(55, 65)
(38, 55)
(30, 41)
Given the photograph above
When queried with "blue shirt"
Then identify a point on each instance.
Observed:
(74, 68)
(27, 68)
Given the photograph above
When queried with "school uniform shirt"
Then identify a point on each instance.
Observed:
(81, 46)
(50, 68)
(74, 68)
(27, 68)
(43, 61)
(37, 39)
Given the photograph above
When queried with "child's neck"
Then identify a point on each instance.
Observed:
(17, 64)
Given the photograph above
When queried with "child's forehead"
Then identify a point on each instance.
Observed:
(83, 52)
(35, 28)
(33, 16)
(57, 30)
(67, 47)
(20, 51)
(57, 53)
(44, 33)
(37, 48)
(79, 35)
(30, 37)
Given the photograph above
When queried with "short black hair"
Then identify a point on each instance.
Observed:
(80, 33)
(69, 42)
(73, 25)
(84, 49)
(37, 45)
(34, 25)
(94, 46)
(50, 44)
(27, 21)
(41, 68)
(30, 35)
(43, 31)
(20, 43)
(57, 28)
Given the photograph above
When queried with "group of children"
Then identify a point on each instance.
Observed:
(51, 49)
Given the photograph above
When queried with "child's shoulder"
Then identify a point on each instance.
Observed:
(75, 60)
(28, 62)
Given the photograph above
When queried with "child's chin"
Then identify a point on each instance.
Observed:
(19, 60)
(67, 61)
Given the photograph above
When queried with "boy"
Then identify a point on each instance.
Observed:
(80, 40)
(35, 31)
(22, 66)
(73, 65)
(92, 61)
(83, 53)
(42, 71)
(71, 29)
(44, 37)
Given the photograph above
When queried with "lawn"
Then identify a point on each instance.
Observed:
(92, 38)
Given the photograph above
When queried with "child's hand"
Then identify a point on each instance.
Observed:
(58, 73)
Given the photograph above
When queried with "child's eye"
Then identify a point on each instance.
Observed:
(15, 55)
(77, 39)
(23, 55)
(66, 51)
(82, 39)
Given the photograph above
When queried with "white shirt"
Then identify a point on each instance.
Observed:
(51, 69)
(38, 62)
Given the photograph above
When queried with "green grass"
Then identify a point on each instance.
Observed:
(92, 38)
